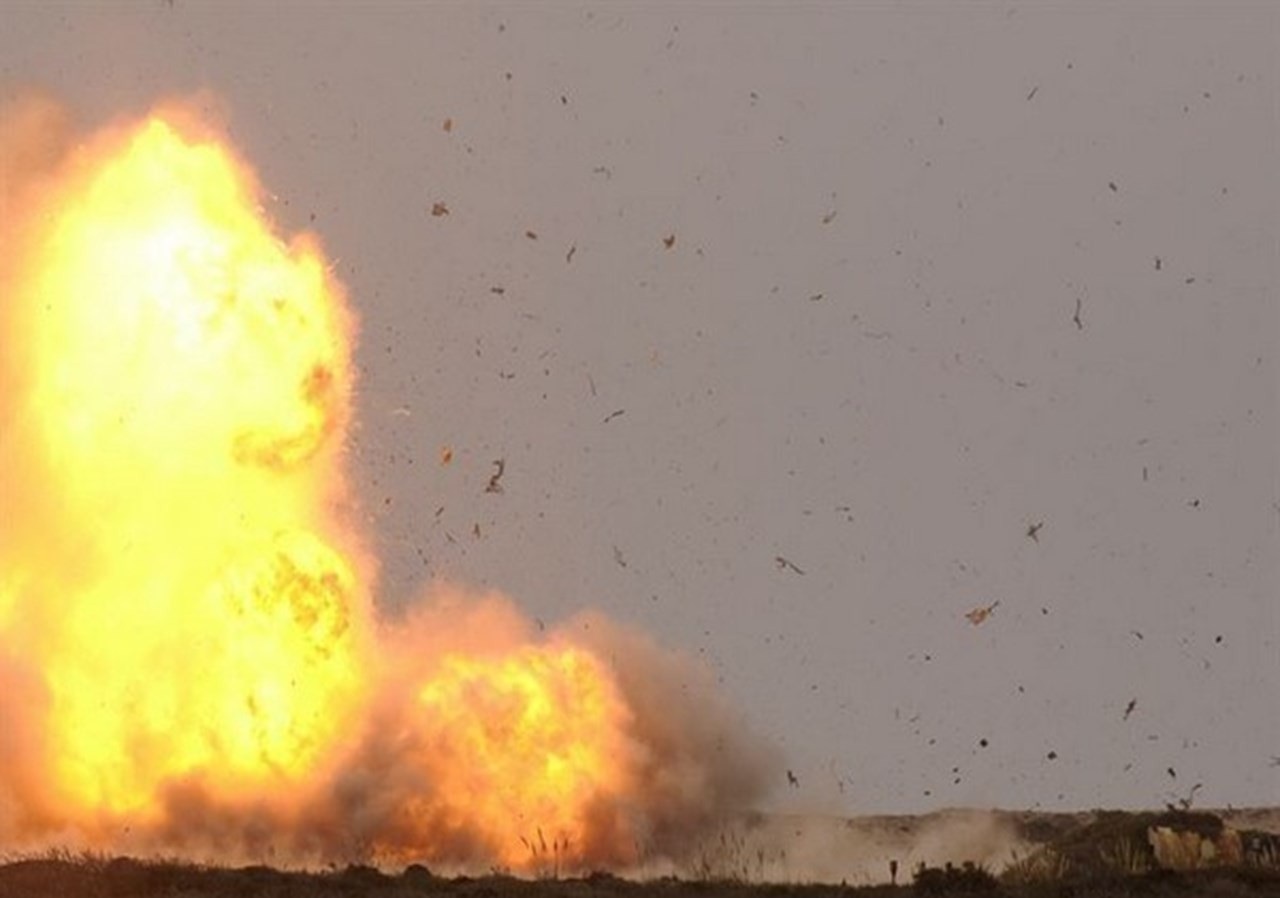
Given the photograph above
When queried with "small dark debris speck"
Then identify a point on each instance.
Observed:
(785, 564)
(495, 486)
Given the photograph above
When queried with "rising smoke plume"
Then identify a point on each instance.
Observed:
(190, 655)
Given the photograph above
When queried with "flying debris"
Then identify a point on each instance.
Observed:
(618, 557)
(495, 486)
(1186, 802)
(669, 241)
(614, 414)
(979, 615)
(1033, 531)
(439, 209)
(785, 564)
(1076, 318)
(792, 779)
(1128, 709)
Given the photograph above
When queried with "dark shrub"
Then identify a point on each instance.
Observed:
(967, 879)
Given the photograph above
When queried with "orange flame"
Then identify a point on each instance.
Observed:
(184, 604)
(534, 743)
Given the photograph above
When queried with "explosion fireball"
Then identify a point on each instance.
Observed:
(190, 653)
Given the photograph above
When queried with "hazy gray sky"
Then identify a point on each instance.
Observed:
(941, 272)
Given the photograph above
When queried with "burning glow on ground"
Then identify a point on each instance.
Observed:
(188, 648)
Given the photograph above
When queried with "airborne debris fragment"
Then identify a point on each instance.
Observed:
(792, 779)
(669, 241)
(568, 257)
(618, 557)
(532, 235)
(1185, 803)
(438, 209)
(494, 485)
(978, 615)
(785, 564)
(614, 414)
(446, 456)
(1128, 709)
(1033, 92)
(1076, 316)
(1033, 531)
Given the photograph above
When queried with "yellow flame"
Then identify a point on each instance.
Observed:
(188, 372)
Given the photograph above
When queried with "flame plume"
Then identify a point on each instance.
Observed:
(189, 652)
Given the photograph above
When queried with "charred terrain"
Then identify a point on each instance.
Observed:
(1099, 853)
